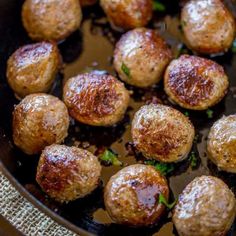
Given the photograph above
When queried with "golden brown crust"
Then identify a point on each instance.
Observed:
(145, 54)
(67, 173)
(208, 26)
(221, 145)
(38, 121)
(32, 68)
(96, 99)
(162, 133)
(195, 83)
(131, 195)
(51, 19)
(206, 207)
(127, 14)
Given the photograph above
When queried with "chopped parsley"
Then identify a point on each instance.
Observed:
(158, 6)
(125, 69)
(186, 113)
(164, 168)
(163, 201)
(233, 48)
(209, 113)
(110, 158)
(193, 160)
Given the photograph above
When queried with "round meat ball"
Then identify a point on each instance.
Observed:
(85, 3)
(141, 57)
(221, 145)
(96, 99)
(32, 68)
(51, 19)
(206, 207)
(39, 120)
(127, 14)
(195, 83)
(162, 133)
(208, 26)
(67, 173)
(131, 195)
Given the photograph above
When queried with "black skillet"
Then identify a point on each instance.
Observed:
(91, 48)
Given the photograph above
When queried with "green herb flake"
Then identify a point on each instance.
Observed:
(110, 158)
(164, 168)
(233, 48)
(162, 200)
(193, 160)
(158, 6)
(125, 69)
(186, 113)
(209, 113)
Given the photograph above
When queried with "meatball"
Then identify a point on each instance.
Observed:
(208, 26)
(162, 133)
(39, 120)
(96, 99)
(206, 207)
(85, 3)
(67, 173)
(141, 57)
(51, 19)
(131, 195)
(32, 68)
(221, 145)
(127, 14)
(195, 83)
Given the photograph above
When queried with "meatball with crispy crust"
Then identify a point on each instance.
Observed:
(195, 83)
(131, 195)
(96, 99)
(162, 133)
(32, 68)
(67, 173)
(51, 19)
(206, 207)
(221, 145)
(141, 56)
(39, 120)
(85, 3)
(127, 14)
(208, 26)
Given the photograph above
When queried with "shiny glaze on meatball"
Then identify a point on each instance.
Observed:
(39, 120)
(51, 19)
(145, 54)
(206, 207)
(195, 83)
(67, 173)
(95, 99)
(131, 195)
(162, 133)
(127, 14)
(208, 26)
(221, 145)
(32, 68)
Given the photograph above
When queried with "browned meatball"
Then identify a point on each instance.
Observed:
(131, 195)
(32, 68)
(85, 3)
(127, 14)
(195, 83)
(51, 19)
(162, 133)
(39, 120)
(206, 207)
(221, 145)
(141, 57)
(96, 99)
(208, 26)
(67, 173)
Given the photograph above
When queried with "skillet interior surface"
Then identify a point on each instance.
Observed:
(92, 48)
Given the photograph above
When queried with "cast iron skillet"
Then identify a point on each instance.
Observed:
(92, 47)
